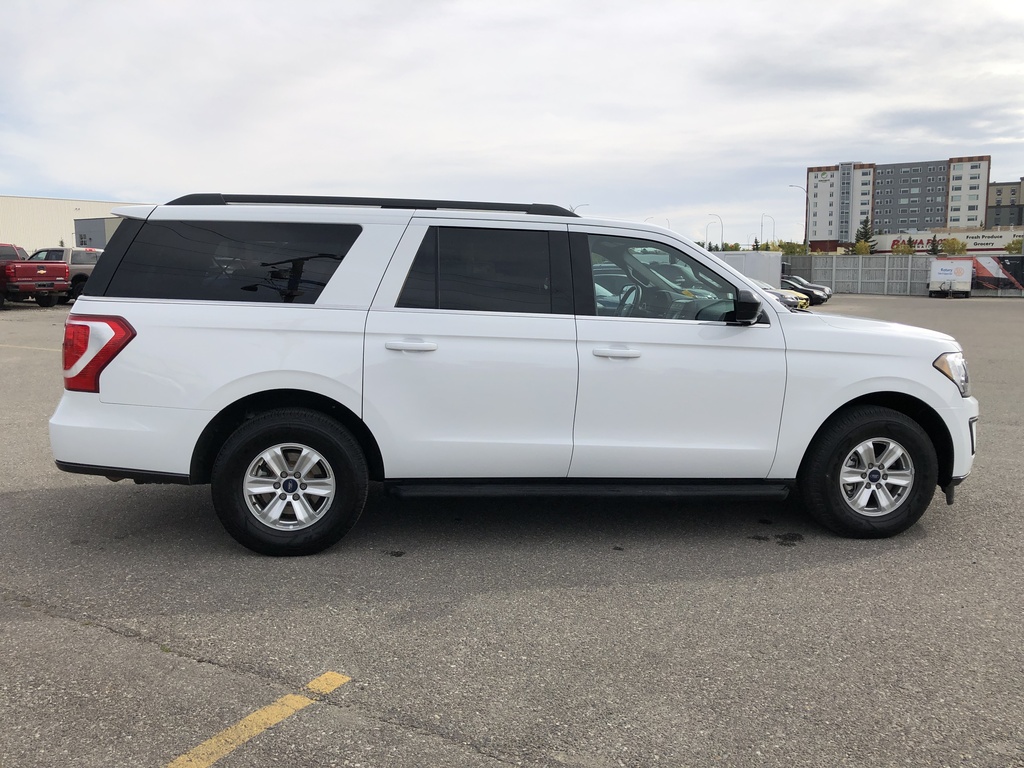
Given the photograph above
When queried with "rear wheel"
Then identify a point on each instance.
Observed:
(870, 473)
(289, 482)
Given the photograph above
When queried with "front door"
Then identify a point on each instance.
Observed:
(669, 387)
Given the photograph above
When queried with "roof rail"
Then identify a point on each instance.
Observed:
(215, 198)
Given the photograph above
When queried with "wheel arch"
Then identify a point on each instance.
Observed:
(233, 416)
(913, 408)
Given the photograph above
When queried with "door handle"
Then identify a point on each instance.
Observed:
(404, 345)
(619, 352)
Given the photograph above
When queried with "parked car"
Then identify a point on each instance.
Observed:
(807, 284)
(21, 280)
(9, 252)
(289, 350)
(791, 299)
(814, 295)
(80, 261)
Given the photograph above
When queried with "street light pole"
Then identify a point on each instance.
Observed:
(807, 218)
(707, 243)
(762, 227)
(722, 225)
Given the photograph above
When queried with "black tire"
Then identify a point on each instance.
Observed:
(282, 436)
(77, 288)
(46, 299)
(890, 462)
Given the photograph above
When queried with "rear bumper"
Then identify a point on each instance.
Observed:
(88, 436)
(31, 289)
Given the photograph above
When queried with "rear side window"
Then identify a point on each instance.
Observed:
(84, 256)
(490, 270)
(231, 261)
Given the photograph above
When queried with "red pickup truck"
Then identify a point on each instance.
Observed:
(46, 282)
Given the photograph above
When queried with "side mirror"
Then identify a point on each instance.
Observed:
(748, 308)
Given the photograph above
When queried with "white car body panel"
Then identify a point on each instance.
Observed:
(197, 356)
(493, 398)
(835, 360)
(687, 406)
(84, 430)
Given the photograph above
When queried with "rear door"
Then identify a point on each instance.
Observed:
(470, 354)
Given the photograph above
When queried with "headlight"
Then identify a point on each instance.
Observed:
(953, 365)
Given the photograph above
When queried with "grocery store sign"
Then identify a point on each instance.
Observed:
(976, 242)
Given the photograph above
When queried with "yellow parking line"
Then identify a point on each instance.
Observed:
(225, 742)
(326, 683)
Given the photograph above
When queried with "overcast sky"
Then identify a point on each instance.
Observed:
(668, 111)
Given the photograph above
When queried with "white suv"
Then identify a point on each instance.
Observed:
(289, 350)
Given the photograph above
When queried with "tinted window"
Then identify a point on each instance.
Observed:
(231, 261)
(9, 252)
(84, 256)
(491, 270)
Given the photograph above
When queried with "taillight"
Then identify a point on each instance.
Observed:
(90, 343)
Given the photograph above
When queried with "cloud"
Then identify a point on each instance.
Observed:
(640, 109)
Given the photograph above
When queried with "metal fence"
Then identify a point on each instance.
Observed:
(881, 274)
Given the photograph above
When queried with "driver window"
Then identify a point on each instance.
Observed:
(648, 279)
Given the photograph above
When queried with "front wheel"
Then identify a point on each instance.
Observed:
(870, 473)
(289, 482)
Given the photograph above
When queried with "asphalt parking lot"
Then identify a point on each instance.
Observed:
(584, 633)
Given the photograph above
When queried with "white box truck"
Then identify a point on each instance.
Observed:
(760, 265)
(951, 278)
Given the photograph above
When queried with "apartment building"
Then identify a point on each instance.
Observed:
(896, 197)
(1005, 204)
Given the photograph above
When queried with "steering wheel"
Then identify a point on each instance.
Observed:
(626, 307)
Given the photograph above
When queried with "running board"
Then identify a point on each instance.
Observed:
(417, 489)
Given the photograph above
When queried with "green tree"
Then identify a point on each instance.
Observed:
(790, 248)
(905, 247)
(862, 248)
(953, 247)
(933, 246)
(1014, 246)
(864, 235)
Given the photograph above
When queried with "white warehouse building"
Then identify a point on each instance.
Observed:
(42, 222)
